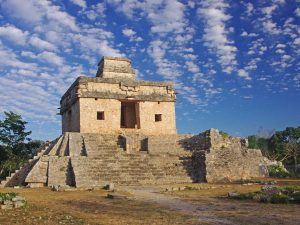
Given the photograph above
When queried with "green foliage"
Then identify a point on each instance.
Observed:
(252, 141)
(288, 190)
(282, 146)
(7, 196)
(11, 164)
(31, 147)
(244, 196)
(295, 197)
(277, 171)
(4, 153)
(283, 195)
(279, 199)
(258, 143)
(15, 146)
(12, 132)
(286, 144)
(261, 197)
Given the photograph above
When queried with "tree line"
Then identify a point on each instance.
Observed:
(282, 146)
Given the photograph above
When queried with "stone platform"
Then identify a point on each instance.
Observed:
(93, 160)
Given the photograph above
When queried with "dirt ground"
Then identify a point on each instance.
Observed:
(149, 205)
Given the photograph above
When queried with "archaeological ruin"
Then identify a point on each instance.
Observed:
(117, 129)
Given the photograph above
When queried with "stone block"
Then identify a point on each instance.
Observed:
(6, 206)
(19, 204)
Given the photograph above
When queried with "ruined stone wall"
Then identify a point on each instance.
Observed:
(223, 158)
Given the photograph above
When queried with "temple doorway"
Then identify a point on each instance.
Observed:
(130, 115)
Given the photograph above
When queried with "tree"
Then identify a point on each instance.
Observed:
(292, 150)
(252, 141)
(13, 132)
(286, 144)
(15, 145)
(262, 143)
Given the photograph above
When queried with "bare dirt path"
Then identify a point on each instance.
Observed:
(212, 210)
(201, 210)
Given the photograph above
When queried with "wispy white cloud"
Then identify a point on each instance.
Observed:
(37, 11)
(95, 11)
(14, 34)
(215, 35)
(80, 3)
(297, 12)
(244, 74)
(41, 44)
(10, 59)
(131, 34)
(51, 58)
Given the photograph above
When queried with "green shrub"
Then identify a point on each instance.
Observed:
(287, 190)
(261, 197)
(279, 199)
(295, 197)
(7, 196)
(245, 196)
(277, 171)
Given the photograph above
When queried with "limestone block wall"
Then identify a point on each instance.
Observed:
(112, 67)
(221, 158)
(147, 117)
(120, 89)
(88, 111)
(112, 116)
(71, 119)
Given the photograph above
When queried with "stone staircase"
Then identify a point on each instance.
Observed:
(91, 160)
(108, 162)
(18, 177)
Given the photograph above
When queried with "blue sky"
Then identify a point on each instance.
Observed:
(235, 63)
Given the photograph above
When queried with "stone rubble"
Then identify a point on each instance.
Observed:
(16, 202)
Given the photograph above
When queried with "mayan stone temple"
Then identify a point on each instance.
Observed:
(117, 129)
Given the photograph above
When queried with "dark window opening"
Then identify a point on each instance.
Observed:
(100, 115)
(158, 117)
(96, 99)
(69, 112)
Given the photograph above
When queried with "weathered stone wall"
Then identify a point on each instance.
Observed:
(147, 118)
(112, 115)
(224, 158)
(115, 67)
(71, 119)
